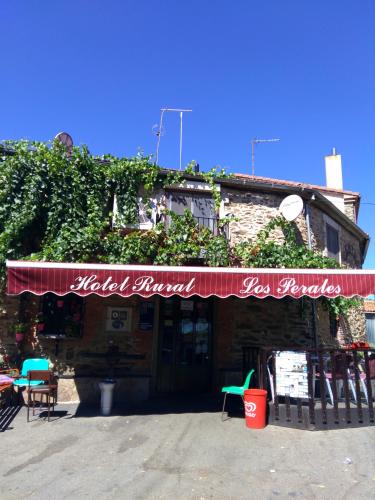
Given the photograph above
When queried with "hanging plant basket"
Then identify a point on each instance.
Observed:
(19, 336)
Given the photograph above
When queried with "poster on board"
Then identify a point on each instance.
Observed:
(291, 374)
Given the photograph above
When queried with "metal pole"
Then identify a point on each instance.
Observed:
(252, 157)
(257, 141)
(313, 303)
(181, 113)
(163, 110)
(159, 135)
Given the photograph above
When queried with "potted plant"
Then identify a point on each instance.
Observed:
(19, 330)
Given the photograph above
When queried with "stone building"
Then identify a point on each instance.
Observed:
(159, 344)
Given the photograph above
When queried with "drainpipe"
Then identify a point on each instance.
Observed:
(309, 244)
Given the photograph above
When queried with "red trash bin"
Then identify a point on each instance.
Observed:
(255, 401)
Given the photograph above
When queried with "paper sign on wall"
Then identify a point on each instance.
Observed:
(291, 374)
(118, 319)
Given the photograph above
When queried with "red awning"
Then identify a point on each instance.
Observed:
(125, 280)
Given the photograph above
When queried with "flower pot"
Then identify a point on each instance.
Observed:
(19, 336)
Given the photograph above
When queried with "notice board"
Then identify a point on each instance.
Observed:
(291, 374)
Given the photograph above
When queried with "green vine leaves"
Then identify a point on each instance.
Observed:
(57, 206)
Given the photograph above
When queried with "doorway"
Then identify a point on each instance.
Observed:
(185, 345)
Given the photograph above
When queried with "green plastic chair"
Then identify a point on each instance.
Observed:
(28, 365)
(236, 390)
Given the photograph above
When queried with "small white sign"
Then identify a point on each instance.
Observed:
(118, 319)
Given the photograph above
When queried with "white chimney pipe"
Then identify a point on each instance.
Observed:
(333, 170)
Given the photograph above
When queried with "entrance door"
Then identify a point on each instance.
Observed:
(185, 347)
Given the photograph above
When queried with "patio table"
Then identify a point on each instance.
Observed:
(6, 384)
(5, 390)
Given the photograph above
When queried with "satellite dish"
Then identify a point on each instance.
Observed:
(291, 207)
(65, 139)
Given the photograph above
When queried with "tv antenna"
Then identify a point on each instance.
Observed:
(159, 130)
(156, 130)
(257, 141)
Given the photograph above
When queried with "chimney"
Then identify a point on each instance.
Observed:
(333, 170)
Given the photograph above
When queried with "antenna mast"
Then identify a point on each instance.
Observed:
(159, 133)
(257, 141)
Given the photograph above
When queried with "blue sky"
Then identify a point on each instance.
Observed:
(300, 71)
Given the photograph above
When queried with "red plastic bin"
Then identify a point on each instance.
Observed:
(255, 401)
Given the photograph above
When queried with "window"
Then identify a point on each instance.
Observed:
(61, 316)
(332, 235)
(370, 328)
(201, 206)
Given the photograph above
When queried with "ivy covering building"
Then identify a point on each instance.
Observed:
(69, 207)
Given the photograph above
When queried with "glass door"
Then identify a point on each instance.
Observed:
(185, 345)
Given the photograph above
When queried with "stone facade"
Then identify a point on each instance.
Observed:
(70, 358)
(254, 209)
(9, 315)
(250, 322)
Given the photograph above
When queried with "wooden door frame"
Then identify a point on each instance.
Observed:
(159, 339)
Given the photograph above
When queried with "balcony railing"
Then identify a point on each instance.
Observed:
(212, 223)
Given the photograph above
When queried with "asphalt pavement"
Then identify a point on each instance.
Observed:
(184, 455)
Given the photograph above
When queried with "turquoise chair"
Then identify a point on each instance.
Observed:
(237, 390)
(28, 365)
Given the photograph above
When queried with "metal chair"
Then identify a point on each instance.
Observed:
(270, 378)
(237, 390)
(31, 364)
(363, 378)
(48, 388)
(341, 372)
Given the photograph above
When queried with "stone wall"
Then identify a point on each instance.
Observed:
(79, 374)
(9, 315)
(349, 245)
(353, 327)
(71, 359)
(257, 323)
(255, 209)
(350, 209)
